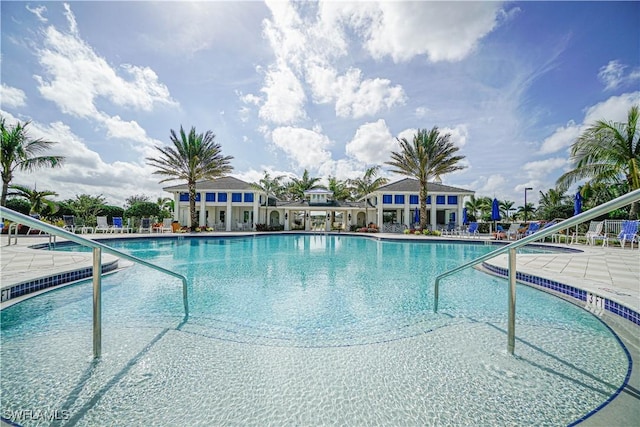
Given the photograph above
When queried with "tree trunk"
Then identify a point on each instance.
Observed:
(5, 190)
(192, 206)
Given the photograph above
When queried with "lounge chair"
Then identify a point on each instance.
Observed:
(472, 230)
(166, 226)
(512, 232)
(595, 228)
(629, 232)
(533, 227)
(591, 236)
(69, 223)
(145, 225)
(118, 226)
(103, 226)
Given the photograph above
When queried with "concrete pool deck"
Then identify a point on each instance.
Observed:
(611, 272)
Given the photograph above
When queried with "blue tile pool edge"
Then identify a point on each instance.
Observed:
(579, 295)
(47, 282)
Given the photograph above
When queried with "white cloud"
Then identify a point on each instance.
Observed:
(305, 147)
(38, 11)
(562, 138)
(396, 29)
(458, 134)
(358, 98)
(284, 97)
(84, 171)
(76, 77)
(372, 143)
(542, 168)
(12, 97)
(613, 75)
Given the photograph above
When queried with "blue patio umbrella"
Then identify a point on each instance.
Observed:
(495, 210)
(465, 219)
(416, 216)
(577, 204)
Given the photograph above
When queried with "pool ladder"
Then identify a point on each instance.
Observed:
(511, 249)
(19, 218)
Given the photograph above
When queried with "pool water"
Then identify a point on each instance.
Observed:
(306, 330)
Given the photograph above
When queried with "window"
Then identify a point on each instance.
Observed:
(386, 199)
(440, 200)
(248, 197)
(184, 197)
(399, 199)
(222, 197)
(236, 197)
(414, 199)
(210, 197)
(428, 200)
(452, 200)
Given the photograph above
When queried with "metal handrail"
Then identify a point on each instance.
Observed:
(97, 265)
(633, 196)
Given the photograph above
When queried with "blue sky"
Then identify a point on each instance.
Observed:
(326, 86)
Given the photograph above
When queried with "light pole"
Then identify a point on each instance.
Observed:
(525, 202)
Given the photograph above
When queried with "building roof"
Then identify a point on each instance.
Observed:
(223, 183)
(412, 185)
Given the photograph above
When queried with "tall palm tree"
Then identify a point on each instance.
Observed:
(360, 187)
(165, 204)
(608, 152)
(193, 157)
(485, 203)
(21, 152)
(506, 206)
(528, 208)
(297, 187)
(430, 154)
(554, 204)
(270, 186)
(37, 199)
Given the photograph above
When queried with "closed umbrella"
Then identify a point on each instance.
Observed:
(577, 208)
(416, 216)
(495, 212)
(465, 219)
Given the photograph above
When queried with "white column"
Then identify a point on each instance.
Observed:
(176, 206)
(229, 212)
(256, 210)
(202, 219)
(286, 220)
(379, 213)
(327, 221)
(433, 212)
(407, 212)
(307, 221)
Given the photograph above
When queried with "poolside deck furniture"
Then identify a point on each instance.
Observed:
(594, 227)
(629, 233)
(596, 234)
(145, 225)
(103, 226)
(69, 223)
(166, 226)
(512, 231)
(472, 230)
(119, 227)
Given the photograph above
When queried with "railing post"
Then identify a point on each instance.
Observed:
(436, 292)
(97, 303)
(511, 328)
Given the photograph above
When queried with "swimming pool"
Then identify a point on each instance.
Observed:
(306, 330)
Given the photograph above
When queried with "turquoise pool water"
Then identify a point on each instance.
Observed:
(306, 330)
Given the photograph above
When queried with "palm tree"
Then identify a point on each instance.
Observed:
(193, 157)
(361, 187)
(473, 206)
(340, 189)
(429, 155)
(269, 186)
(528, 208)
(297, 187)
(484, 204)
(609, 153)
(554, 204)
(506, 206)
(37, 199)
(21, 152)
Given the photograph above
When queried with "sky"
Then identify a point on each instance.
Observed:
(323, 86)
